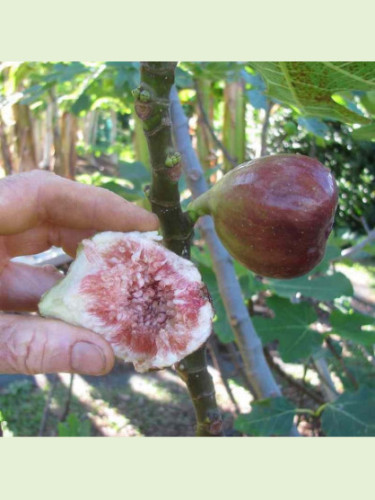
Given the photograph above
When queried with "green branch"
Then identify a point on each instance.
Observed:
(152, 107)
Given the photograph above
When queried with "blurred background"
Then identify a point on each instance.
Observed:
(77, 119)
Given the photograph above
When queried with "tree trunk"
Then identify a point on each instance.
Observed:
(46, 162)
(25, 140)
(5, 149)
(56, 133)
(39, 133)
(234, 130)
(265, 127)
(68, 160)
(90, 132)
(113, 156)
(205, 144)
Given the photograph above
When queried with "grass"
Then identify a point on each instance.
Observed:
(21, 405)
(123, 403)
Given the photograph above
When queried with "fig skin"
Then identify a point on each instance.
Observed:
(273, 214)
(148, 303)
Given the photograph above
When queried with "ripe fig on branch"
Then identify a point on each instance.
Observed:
(273, 214)
(149, 303)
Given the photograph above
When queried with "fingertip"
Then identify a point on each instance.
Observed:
(154, 222)
(108, 354)
(92, 357)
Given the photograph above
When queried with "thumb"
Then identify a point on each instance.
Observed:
(31, 345)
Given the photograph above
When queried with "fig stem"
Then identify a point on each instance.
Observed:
(199, 207)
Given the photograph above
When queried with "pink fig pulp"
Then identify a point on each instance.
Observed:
(273, 214)
(149, 303)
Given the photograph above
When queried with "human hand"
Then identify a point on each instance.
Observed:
(38, 210)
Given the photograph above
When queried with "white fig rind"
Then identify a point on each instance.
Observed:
(66, 301)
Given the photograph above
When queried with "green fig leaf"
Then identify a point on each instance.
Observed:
(356, 327)
(351, 415)
(291, 327)
(309, 86)
(320, 287)
(268, 417)
(314, 126)
(366, 133)
(332, 252)
(368, 101)
(135, 172)
(221, 325)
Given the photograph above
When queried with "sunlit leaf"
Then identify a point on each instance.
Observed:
(366, 133)
(257, 98)
(352, 414)
(314, 125)
(309, 86)
(221, 324)
(268, 417)
(291, 328)
(332, 252)
(83, 103)
(320, 287)
(368, 101)
(356, 327)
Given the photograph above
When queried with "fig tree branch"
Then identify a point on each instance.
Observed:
(218, 143)
(348, 253)
(347, 372)
(292, 381)
(327, 385)
(153, 108)
(248, 342)
(215, 356)
(363, 221)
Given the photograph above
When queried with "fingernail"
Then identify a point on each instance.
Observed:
(88, 359)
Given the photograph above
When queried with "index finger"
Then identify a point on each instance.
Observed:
(32, 198)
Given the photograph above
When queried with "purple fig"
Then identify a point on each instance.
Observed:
(273, 214)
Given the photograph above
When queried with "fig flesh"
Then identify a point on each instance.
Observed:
(273, 214)
(149, 303)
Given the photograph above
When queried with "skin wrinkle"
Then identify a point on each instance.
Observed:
(12, 184)
(44, 205)
(54, 236)
(43, 354)
(7, 331)
(28, 352)
(39, 209)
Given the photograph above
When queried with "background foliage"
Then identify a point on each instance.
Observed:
(78, 119)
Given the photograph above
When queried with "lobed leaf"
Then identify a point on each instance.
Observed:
(351, 415)
(268, 417)
(322, 288)
(291, 328)
(353, 327)
(309, 86)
